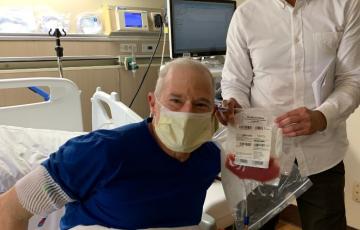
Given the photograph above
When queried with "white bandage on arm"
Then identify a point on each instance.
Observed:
(39, 194)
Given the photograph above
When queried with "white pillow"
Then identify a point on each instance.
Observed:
(22, 149)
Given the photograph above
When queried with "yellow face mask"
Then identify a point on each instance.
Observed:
(184, 132)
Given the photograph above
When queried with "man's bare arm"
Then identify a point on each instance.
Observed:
(12, 215)
(35, 193)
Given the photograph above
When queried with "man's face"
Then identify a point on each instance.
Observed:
(185, 90)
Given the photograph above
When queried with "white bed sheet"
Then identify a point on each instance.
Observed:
(22, 149)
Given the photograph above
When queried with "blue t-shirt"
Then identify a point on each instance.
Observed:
(121, 178)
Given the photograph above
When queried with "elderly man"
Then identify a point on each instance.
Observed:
(151, 174)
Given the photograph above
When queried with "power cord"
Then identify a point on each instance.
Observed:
(159, 21)
(166, 31)
(163, 48)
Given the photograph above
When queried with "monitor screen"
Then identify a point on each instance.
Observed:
(199, 27)
(133, 19)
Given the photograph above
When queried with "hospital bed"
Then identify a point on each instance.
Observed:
(53, 122)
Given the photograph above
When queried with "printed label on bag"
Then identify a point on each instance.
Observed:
(253, 141)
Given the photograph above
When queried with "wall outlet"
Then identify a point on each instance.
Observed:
(128, 48)
(356, 192)
(152, 20)
(148, 47)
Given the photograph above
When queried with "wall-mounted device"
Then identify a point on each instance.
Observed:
(131, 20)
(139, 20)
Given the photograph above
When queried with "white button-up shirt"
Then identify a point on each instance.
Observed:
(287, 57)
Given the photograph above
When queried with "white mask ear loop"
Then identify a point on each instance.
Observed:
(157, 100)
(151, 114)
(160, 106)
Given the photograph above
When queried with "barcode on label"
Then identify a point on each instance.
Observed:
(243, 161)
(247, 127)
(257, 162)
(241, 144)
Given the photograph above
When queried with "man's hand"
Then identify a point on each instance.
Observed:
(12, 215)
(258, 174)
(301, 121)
(226, 113)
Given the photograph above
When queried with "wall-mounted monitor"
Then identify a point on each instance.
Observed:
(131, 20)
(199, 27)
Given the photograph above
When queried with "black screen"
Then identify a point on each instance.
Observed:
(199, 27)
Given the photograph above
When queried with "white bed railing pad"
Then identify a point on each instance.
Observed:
(62, 111)
(120, 113)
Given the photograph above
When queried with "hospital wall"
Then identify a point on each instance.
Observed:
(103, 71)
(352, 168)
(238, 2)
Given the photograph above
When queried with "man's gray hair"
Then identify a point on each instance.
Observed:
(184, 62)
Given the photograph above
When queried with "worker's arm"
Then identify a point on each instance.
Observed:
(12, 215)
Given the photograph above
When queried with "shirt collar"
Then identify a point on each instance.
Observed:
(283, 3)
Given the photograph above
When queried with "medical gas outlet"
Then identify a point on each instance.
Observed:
(128, 48)
(130, 63)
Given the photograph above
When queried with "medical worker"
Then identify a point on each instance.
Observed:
(145, 175)
(300, 58)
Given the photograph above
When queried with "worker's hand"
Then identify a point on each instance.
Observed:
(258, 174)
(226, 113)
(301, 121)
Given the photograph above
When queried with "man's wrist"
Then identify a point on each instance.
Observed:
(320, 120)
(234, 101)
